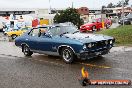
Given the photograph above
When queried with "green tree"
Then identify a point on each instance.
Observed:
(119, 4)
(103, 9)
(68, 15)
(110, 5)
(126, 2)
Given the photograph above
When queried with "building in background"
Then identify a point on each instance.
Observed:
(42, 14)
(84, 12)
(88, 14)
(118, 11)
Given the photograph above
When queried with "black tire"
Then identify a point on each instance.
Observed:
(84, 83)
(26, 51)
(129, 23)
(5, 34)
(13, 36)
(94, 28)
(67, 55)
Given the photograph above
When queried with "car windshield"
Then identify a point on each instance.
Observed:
(63, 30)
(129, 15)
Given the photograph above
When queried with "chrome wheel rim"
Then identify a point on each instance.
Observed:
(14, 36)
(67, 55)
(94, 28)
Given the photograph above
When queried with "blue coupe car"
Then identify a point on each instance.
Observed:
(65, 41)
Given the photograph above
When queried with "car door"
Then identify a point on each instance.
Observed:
(32, 39)
(45, 40)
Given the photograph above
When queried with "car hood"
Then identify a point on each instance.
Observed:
(87, 38)
(87, 24)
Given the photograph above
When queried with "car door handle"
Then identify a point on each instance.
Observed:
(26, 39)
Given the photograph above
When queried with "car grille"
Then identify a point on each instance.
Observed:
(97, 45)
(100, 44)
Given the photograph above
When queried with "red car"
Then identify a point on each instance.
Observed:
(95, 25)
(107, 22)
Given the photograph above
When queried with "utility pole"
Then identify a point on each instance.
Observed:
(72, 5)
(123, 11)
(49, 7)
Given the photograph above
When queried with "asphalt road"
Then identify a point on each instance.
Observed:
(41, 71)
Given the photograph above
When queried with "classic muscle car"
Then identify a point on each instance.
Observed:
(65, 41)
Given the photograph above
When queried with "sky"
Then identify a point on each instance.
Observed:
(55, 3)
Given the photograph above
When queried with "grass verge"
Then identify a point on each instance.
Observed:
(123, 35)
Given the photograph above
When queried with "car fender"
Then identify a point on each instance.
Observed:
(65, 46)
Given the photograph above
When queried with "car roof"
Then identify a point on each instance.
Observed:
(56, 25)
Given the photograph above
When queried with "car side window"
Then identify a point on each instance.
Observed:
(55, 31)
(43, 31)
(35, 32)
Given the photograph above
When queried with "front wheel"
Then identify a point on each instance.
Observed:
(94, 28)
(68, 55)
(27, 51)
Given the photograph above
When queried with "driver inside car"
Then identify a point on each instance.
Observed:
(41, 32)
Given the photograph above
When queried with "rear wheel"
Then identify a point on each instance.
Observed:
(68, 55)
(27, 51)
(13, 36)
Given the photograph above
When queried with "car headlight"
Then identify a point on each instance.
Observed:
(111, 41)
(89, 45)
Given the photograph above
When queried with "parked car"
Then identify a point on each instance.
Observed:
(65, 41)
(127, 20)
(16, 32)
(96, 24)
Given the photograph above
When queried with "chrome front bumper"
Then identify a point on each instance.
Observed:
(91, 54)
